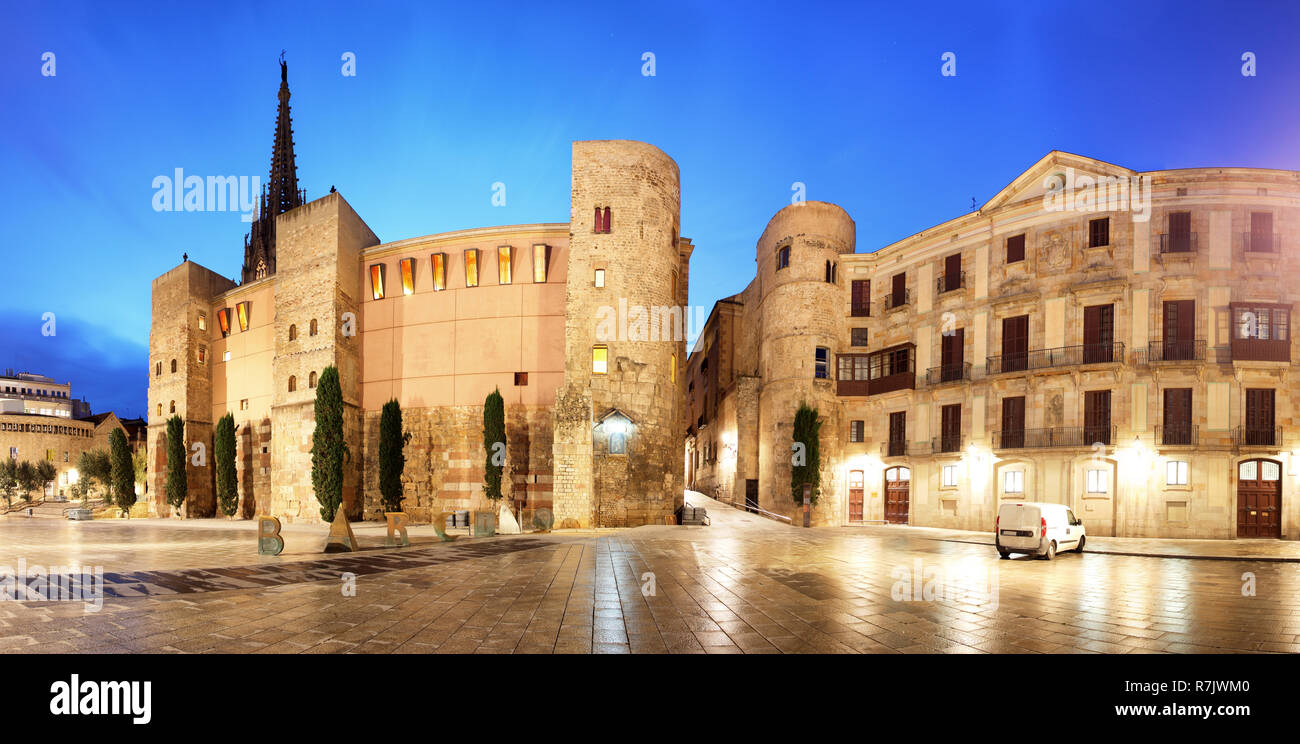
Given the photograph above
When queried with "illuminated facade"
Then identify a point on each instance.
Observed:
(1116, 341)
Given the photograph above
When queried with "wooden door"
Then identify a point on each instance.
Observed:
(1013, 422)
(950, 428)
(898, 481)
(1098, 334)
(1015, 343)
(855, 495)
(952, 272)
(898, 433)
(1096, 417)
(1180, 232)
(1259, 417)
(899, 290)
(1177, 419)
(1180, 330)
(1259, 498)
(952, 354)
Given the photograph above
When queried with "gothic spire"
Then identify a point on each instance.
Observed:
(279, 195)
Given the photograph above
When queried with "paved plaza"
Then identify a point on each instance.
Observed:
(744, 584)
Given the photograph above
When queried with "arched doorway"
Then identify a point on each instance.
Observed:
(1259, 498)
(898, 489)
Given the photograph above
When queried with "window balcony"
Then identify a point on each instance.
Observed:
(901, 448)
(1254, 242)
(1076, 437)
(1257, 436)
(1179, 435)
(1178, 242)
(946, 443)
(1176, 350)
(878, 372)
(947, 373)
(1064, 356)
(895, 300)
(950, 282)
(1260, 350)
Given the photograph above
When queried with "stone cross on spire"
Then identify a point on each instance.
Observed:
(280, 194)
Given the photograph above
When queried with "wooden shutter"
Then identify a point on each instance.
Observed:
(1015, 248)
(951, 427)
(1259, 409)
(1180, 223)
(1013, 414)
(1178, 416)
(1015, 342)
(861, 298)
(898, 426)
(1096, 416)
(1261, 223)
(952, 272)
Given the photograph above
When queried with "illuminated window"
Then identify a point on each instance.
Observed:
(1013, 481)
(471, 267)
(241, 313)
(1176, 473)
(225, 356)
(160, 409)
(311, 380)
(672, 373)
(949, 476)
(377, 281)
(293, 383)
(203, 354)
(439, 271)
(223, 321)
(504, 252)
(293, 332)
(408, 275)
(599, 359)
(600, 277)
(311, 328)
(203, 321)
(541, 262)
(1097, 481)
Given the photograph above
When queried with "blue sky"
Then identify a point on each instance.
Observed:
(451, 97)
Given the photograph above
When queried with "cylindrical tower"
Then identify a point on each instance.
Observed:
(802, 321)
(617, 423)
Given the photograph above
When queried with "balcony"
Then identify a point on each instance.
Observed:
(950, 282)
(1176, 350)
(1179, 435)
(895, 300)
(1078, 437)
(1260, 350)
(1257, 436)
(878, 372)
(946, 443)
(947, 373)
(1178, 242)
(1064, 356)
(894, 449)
(1254, 242)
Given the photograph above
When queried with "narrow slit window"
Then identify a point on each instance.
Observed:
(223, 321)
(600, 277)
(599, 359)
(504, 264)
(241, 312)
(541, 262)
(439, 271)
(408, 275)
(471, 267)
(377, 281)
(203, 321)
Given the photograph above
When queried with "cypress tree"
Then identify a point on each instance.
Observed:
(392, 461)
(328, 449)
(177, 481)
(807, 430)
(227, 479)
(494, 441)
(122, 472)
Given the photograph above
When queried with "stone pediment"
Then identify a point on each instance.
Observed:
(1067, 167)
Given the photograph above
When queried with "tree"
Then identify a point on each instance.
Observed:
(122, 471)
(328, 449)
(392, 460)
(494, 442)
(177, 482)
(8, 479)
(97, 466)
(227, 478)
(807, 465)
(140, 464)
(45, 473)
(28, 480)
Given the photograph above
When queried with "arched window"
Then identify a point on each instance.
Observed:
(311, 380)
(160, 409)
(293, 383)
(835, 270)
(260, 273)
(828, 272)
(173, 366)
(293, 332)
(311, 330)
(173, 407)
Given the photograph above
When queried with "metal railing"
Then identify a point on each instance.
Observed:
(1062, 356)
(1254, 242)
(1178, 242)
(946, 443)
(897, 299)
(1081, 437)
(950, 282)
(1176, 350)
(1181, 435)
(1257, 436)
(947, 373)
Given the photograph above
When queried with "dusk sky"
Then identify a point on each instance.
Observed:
(450, 98)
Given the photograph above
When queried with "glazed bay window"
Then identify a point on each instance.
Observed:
(1261, 332)
(852, 368)
(504, 265)
(471, 267)
(885, 370)
(439, 263)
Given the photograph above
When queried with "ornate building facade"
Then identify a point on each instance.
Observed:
(1116, 341)
(437, 322)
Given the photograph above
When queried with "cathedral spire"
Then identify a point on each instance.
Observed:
(279, 195)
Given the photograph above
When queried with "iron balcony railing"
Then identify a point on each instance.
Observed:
(1177, 435)
(946, 443)
(950, 282)
(947, 373)
(892, 448)
(1178, 242)
(1260, 242)
(1080, 437)
(1176, 350)
(1064, 356)
(896, 299)
(1257, 436)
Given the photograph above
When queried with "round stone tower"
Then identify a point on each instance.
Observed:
(618, 415)
(803, 304)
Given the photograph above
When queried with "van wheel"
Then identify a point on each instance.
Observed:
(1004, 554)
(1051, 550)
(1082, 540)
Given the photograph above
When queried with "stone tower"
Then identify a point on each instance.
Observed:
(182, 297)
(619, 414)
(801, 310)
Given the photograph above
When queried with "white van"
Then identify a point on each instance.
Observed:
(1037, 529)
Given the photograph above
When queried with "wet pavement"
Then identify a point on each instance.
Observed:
(745, 584)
